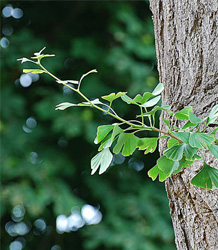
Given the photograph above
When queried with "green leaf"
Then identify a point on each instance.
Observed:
(166, 122)
(138, 98)
(189, 151)
(200, 140)
(65, 105)
(155, 109)
(151, 102)
(206, 177)
(148, 144)
(214, 150)
(183, 114)
(183, 136)
(159, 88)
(102, 159)
(194, 119)
(23, 60)
(189, 124)
(102, 132)
(33, 71)
(213, 115)
(39, 57)
(155, 171)
(214, 131)
(128, 100)
(88, 104)
(111, 97)
(183, 163)
(173, 142)
(197, 157)
(107, 142)
(167, 166)
(174, 153)
(127, 143)
(67, 81)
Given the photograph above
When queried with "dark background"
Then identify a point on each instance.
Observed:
(45, 154)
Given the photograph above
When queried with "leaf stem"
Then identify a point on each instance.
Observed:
(132, 125)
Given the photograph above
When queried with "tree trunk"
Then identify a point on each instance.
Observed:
(186, 37)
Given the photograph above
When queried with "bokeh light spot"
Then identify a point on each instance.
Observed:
(4, 42)
(17, 13)
(16, 245)
(7, 30)
(31, 122)
(25, 80)
(91, 215)
(7, 11)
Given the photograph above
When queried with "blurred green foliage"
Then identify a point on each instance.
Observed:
(45, 154)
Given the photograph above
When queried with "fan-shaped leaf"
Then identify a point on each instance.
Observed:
(174, 153)
(206, 177)
(148, 144)
(127, 143)
(155, 171)
(103, 160)
(213, 115)
(200, 140)
(102, 132)
(158, 89)
(183, 114)
(167, 166)
(151, 102)
(214, 150)
(111, 97)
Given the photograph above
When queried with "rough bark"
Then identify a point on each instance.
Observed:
(186, 37)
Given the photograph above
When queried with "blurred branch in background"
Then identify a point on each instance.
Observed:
(49, 200)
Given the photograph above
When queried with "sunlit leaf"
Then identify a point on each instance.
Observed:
(127, 143)
(184, 113)
(33, 71)
(113, 96)
(158, 89)
(200, 140)
(102, 132)
(214, 150)
(155, 171)
(65, 105)
(206, 177)
(151, 102)
(67, 81)
(23, 60)
(148, 144)
(128, 100)
(213, 115)
(103, 160)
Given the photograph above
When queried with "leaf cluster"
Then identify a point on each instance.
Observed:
(184, 145)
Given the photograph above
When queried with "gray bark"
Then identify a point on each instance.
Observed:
(186, 38)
